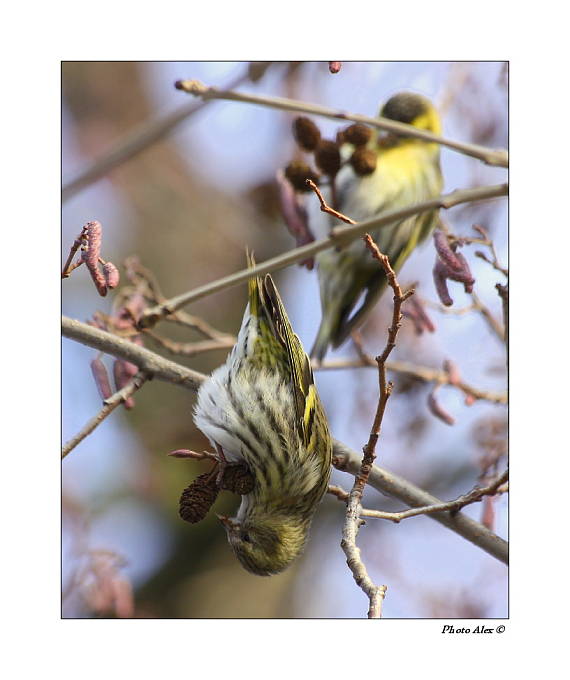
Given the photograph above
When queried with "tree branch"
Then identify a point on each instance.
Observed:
(337, 236)
(152, 364)
(476, 494)
(110, 405)
(424, 373)
(345, 458)
(498, 157)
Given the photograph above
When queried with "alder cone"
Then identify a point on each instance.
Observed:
(298, 173)
(363, 161)
(237, 478)
(197, 498)
(327, 157)
(357, 134)
(306, 133)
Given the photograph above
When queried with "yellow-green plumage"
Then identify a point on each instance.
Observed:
(407, 172)
(262, 408)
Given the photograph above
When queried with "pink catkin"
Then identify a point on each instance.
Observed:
(101, 378)
(465, 277)
(446, 255)
(417, 314)
(111, 274)
(122, 373)
(92, 254)
(440, 281)
(294, 215)
(438, 411)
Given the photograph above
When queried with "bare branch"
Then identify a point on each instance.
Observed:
(490, 156)
(338, 236)
(344, 458)
(326, 208)
(476, 494)
(352, 520)
(190, 349)
(110, 405)
(485, 312)
(347, 460)
(152, 364)
(421, 372)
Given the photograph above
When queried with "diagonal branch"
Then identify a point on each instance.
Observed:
(337, 236)
(109, 406)
(496, 157)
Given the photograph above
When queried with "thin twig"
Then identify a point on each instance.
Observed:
(424, 373)
(326, 208)
(190, 349)
(493, 324)
(347, 460)
(337, 236)
(77, 243)
(475, 495)
(352, 520)
(497, 157)
(198, 324)
(344, 458)
(110, 405)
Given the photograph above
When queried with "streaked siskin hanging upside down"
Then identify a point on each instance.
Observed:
(262, 408)
(406, 171)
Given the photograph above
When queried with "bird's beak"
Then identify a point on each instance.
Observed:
(229, 524)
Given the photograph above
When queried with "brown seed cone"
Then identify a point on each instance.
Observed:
(357, 134)
(238, 479)
(298, 173)
(306, 133)
(327, 157)
(197, 499)
(363, 161)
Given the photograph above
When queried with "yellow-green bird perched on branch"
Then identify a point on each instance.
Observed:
(405, 171)
(262, 408)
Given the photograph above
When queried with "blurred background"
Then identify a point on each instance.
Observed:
(187, 206)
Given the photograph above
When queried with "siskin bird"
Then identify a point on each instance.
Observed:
(407, 171)
(262, 408)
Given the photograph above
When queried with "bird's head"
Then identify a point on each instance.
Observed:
(413, 109)
(266, 543)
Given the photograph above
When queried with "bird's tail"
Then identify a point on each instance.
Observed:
(322, 341)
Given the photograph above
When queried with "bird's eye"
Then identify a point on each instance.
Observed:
(246, 537)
